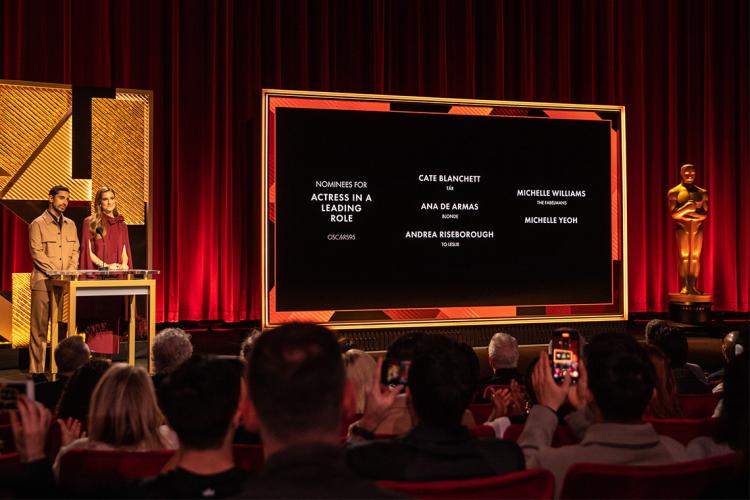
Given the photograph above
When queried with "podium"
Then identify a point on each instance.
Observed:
(130, 283)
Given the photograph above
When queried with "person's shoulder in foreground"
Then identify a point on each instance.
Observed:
(310, 471)
(181, 483)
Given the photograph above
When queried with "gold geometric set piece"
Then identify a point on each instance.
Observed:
(36, 153)
(21, 310)
(120, 152)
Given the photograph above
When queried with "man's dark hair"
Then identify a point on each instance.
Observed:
(673, 343)
(71, 354)
(75, 399)
(403, 347)
(620, 376)
(200, 398)
(442, 380)
(56, 189)
(296, 380)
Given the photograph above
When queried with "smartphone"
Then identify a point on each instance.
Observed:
(11, 390)
(564, 354)
(395, 372)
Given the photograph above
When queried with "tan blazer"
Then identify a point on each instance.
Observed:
(52, 249)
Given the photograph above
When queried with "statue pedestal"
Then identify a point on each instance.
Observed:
(690, 309)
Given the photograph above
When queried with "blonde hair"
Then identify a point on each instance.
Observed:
(124, 411)
(96, 221)
(360, 368)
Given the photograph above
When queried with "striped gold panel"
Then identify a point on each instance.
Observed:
(146, 100)
(53, 166)
(6, 319)
(21, 310)
(27, 115)
(119, 153)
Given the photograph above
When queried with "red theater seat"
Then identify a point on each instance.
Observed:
(679, 480)
(89, 470)
(7, 440)
(483, 431)
(481, 412)
(699, 405)
(683, 429)
(532, 483)
(9, 464)
(248, 457)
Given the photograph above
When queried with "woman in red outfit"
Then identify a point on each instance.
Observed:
(104, 245)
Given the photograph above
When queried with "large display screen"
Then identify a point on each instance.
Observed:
(381, 210)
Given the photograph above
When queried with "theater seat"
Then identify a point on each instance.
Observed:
(683, 430)
(679, 480)
(7, 440)
(86, 471)
(532, 483)
(10, 469)
(9, 465)
(248, 457)
(481, 412)
(483, 431)
(699, 405)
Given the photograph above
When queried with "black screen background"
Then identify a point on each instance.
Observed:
(524, 264)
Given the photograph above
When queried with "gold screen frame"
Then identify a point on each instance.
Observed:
(621, 220)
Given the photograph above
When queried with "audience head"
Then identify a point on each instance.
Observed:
(656, 328)
(442, 380)
(201, 400)
(666, 403)
(246, 348)
(733, 345)
(671, 341)
(171, 348)
(71, 354)
(360, 369)
(403, 347)
(503, 351)
(123, 409)
(732, 427)
(296, 382)
(346, 343)
(621, 377)
(75, 399)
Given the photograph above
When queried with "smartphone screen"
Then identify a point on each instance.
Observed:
(563, 354)
(395, 372)
(11, 390)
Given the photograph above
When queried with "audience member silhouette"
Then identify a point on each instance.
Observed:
(616, 384)
(299, 392)
(442, 381)
(202, 400)
(70, 355)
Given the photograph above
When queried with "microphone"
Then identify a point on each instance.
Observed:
(100, 232)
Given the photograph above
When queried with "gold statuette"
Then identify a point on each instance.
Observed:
(688, 206)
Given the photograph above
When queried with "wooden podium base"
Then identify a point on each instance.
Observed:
(690, 309)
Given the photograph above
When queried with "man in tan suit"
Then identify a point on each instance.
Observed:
(53, 241)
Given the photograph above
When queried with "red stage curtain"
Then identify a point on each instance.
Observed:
(679, 66)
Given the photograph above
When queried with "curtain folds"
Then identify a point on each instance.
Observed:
(679, 66)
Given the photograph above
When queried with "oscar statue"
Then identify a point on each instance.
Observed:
(688, 207)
